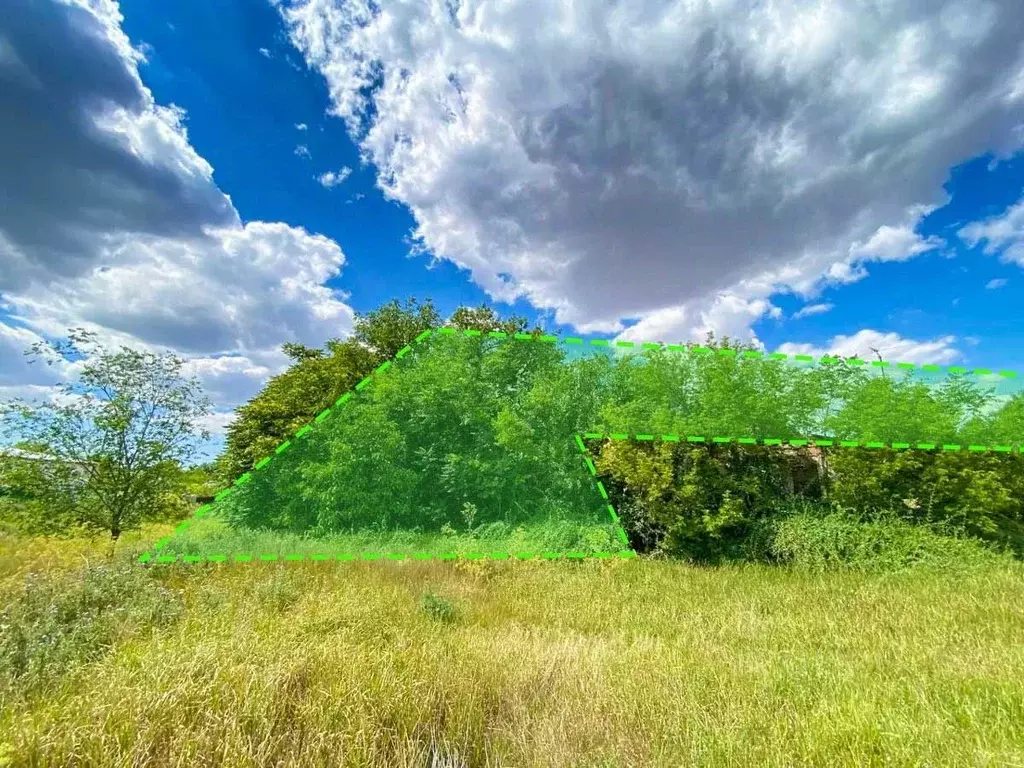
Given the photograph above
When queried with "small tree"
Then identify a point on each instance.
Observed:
(115, 439)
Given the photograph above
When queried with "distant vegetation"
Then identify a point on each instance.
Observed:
(473, 437)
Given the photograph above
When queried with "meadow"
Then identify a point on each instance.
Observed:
(541, 663)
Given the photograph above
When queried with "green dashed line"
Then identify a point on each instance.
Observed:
(644, 437)
(650, 345)
(900, 446)
(217, 558)
(874, 444)
(403, 352)
(524, 336)
(746, 440)
(752, 354)
(957, 369)
(804, 358)
(694, 439)
(447, 331)
(906, 366)
(599, 342)
(497, 335)
(243, 479)
(670, 438)
(574, 340)
(383, 367)
(304, 431)
(931, 367)
(601, 489)
(548, 339)
(1008, 374)
(593, 435)
(721, 439)
(319, 556)
(580, 445)
(283, 447)
(222, 495)
(849, 443)
(590, 466)
(926, 446)
(951, 447)
(982, 372)
(322, 415)
(772, 441)
(242, 558)
(798, 443)
(203, 510)
(626, 344)
(726, 352)
(778, 356)
(880, 363)
(343, 399)
(423, 335)
(362, 384)
(263, 462)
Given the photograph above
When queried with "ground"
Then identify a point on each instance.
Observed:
(587, 663)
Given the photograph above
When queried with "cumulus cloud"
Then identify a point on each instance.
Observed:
(265, 52)
(333, 179)
(109, 219)
(302, 151)
(812, 309)
(891, 346)
(301, 126)
(997, 282)
(630, 158)
(85, 153)
(1002, 234)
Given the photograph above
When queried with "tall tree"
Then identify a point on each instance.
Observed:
(114, 442)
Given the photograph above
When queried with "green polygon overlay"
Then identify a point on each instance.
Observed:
(153, 555)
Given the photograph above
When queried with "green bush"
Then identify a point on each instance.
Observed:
(53, 624)
(841, 538)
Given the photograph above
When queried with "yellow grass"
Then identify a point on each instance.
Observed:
(621, 663)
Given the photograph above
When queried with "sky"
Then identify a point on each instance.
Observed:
(217, 179)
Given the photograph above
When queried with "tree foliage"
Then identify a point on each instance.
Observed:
(110, 447)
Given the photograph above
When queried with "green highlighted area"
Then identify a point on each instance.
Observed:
(474, 445)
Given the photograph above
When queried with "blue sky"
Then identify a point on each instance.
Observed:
(600, 175)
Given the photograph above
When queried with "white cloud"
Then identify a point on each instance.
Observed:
(1002, 234)
(625, 159)
(118, 227)
(891, 346)
(301, 126)
(997, 282)
(265, 52)
(812, 309)
(333, 179)
(302, 151)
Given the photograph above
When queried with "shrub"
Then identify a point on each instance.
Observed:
(841, 538)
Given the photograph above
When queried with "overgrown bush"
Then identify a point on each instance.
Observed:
(842, 538)
(53, 624)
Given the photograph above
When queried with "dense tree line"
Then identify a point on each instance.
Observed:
(486, 425)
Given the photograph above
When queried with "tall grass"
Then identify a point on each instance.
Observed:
(615, 663)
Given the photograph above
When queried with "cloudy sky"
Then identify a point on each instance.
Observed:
(219, 178)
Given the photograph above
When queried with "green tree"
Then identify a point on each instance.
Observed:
(115, 439)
